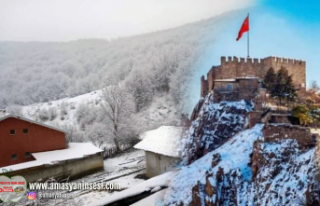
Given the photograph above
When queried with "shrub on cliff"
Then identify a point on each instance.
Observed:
(303, 113)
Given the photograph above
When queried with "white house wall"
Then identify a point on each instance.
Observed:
(157, 164)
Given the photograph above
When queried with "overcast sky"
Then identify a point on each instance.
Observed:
(65, 20)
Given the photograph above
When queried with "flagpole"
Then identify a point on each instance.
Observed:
(248, 38)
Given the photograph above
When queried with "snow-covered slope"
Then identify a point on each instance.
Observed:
(224, 176)
(78, 112)
(232, 157)
(228, 164)
(64, 109)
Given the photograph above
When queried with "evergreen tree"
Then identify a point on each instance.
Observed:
(283, 86)
(269, 79)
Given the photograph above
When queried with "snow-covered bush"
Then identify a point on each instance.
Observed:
(44, 115)
(52, 113)
(63, 108)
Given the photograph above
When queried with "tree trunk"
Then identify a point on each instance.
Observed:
(116, 142)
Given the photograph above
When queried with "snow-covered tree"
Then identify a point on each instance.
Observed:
(118, 108)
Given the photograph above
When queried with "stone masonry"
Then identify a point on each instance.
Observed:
(232, 68)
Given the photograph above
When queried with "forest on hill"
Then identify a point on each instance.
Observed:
(155, 74)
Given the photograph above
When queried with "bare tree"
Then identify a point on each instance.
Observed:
(314, 86)
(118, 107)
(140, 86)
(73, 134)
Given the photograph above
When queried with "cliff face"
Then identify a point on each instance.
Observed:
(284, 173)
(266, 165)
(213, 124)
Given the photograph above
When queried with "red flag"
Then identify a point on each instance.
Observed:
(244, 28)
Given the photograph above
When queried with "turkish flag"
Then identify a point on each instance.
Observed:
(244, 28)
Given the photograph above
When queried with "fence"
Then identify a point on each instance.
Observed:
(112, 151)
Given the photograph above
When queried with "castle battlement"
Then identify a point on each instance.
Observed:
(271, 59)
(281, 60)
(228, 60)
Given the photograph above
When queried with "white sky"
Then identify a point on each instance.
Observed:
(65, 20)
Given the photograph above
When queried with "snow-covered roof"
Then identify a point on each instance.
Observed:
(164, 140)
(31, 121)
(75, 151)
(155, 182)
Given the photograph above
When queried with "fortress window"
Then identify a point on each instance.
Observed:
(230, 87)
(25, 131)
(14, 156)
(12, 132)
(28, 154)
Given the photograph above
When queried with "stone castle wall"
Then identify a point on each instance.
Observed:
(231, 68)
(274, 132)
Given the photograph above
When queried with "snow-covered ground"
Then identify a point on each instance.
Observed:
(126, 162)
(153, 183)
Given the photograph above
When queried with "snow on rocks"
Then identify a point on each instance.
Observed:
(234, 157)
(247, 170)
(214, 124)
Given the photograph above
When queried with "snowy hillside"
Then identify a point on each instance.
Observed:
(83, 116)
(61, 112)
(224, 176)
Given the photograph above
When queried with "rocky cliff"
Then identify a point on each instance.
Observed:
(213, 124)
(267, 165)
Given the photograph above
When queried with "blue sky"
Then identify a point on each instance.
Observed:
(299, 24)
(277, 28)
(282, 28)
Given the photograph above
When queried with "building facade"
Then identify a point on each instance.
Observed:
(235, 89)
(157, 164)
(19, 137)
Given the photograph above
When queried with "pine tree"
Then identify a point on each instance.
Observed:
(269, 79)
(283, 86)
